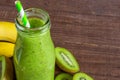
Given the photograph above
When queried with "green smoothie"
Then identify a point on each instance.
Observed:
(34, 57)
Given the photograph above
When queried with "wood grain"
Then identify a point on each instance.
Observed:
(90, 29)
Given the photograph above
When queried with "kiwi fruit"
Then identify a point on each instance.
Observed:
(66, 61)
(82, 76)
(63, 76)
(6, 68)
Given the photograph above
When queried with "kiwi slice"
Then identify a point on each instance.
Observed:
(63, 76)
(6, 68)
(82, 76)
(66, 61)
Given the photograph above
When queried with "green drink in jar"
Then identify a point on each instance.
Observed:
(34, 57)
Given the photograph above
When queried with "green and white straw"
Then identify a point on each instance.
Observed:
(22, 13)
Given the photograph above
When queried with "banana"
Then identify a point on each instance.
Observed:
(6, 49)
(6, 68)
(8, 32)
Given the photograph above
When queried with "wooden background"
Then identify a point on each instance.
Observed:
(88, 28)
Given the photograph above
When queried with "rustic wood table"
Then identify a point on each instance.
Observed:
(90, 29)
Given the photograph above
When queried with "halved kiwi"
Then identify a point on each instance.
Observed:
(6, 68)
(63, 76)
(66, 61)
(82, 76)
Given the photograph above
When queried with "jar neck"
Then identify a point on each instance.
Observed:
(34, 13)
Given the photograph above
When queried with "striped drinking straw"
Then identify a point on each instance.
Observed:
(22, 14)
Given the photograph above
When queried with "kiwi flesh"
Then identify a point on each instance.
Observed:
(6, 68)
(66, 61)
(82, 76)
(0, 68)
(63, 76)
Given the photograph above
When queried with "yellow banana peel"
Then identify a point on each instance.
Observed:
(6, 49)
(8, 31)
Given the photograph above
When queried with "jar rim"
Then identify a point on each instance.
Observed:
(40, 11)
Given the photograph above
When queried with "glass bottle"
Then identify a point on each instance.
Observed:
(34, 57)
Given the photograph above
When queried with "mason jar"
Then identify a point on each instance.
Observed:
(34, 56)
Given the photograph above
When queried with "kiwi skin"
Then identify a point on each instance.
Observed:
(64, 76)
(63, 65)
(82, 76)
(7, 73)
